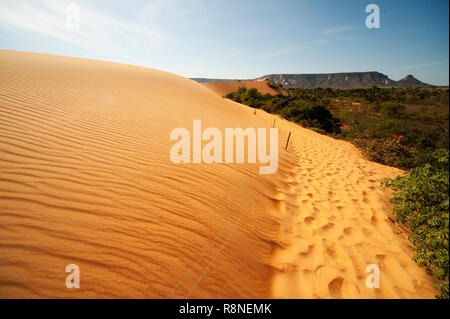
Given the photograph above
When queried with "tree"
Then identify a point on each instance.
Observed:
(251, 97)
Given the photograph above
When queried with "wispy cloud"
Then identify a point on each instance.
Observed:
(337, 29)
(177, 12)
(97, 31)
(174, 8)
(308, 44)
(416, 66)
(292, 49)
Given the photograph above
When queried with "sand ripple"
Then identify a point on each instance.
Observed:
(335, 220)
(85, 178)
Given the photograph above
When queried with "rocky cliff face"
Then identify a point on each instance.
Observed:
(349, 80)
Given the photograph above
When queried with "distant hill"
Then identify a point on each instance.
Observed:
(225, 87)
(411, 81)
(349, 80)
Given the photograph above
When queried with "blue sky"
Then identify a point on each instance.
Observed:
(238, 38)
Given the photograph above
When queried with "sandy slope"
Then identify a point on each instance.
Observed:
(335, 220)
(85, 178)
(224, 88)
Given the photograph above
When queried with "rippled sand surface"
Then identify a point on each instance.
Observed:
(86, 179)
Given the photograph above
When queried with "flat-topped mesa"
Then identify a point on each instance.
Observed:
(347, 80)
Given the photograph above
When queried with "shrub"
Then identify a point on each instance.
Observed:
(376, 107)
(236, 96)
(316, 116)
(393, 109)
(252, 98)
(275, 105)
(273, 85)
(387, 151)
(422, 204)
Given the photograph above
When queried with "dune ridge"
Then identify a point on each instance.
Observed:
(224, 88)
(85, 178)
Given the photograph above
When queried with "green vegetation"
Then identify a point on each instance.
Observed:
(274, 85)
(404, 128)
(396, 126)
(307, 113)
(421, 198)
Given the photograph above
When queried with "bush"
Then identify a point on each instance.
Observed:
(275, 105)
(236, 96)
(273, 85)
(376, 107)
(422, 204)
(316, 116)
(251, 97)
(383, 129)
(387, 151)
(392, 109)
(308, 113)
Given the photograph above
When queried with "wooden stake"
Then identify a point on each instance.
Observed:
(287, 143)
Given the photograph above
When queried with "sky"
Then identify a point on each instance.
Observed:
(238, 39)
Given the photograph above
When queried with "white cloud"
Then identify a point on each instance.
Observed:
(293, 49)
(177, 8)
(191, 12)
(97, 31)
(416, 66)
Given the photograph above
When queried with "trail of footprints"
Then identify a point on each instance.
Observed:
(334, 223)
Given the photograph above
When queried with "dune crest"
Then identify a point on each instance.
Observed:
(224, 88)
(86, 178)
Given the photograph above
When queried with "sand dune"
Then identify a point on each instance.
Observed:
(336, 220)
(224, 88)
(85, 178)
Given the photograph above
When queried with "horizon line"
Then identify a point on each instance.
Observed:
(213, 78)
